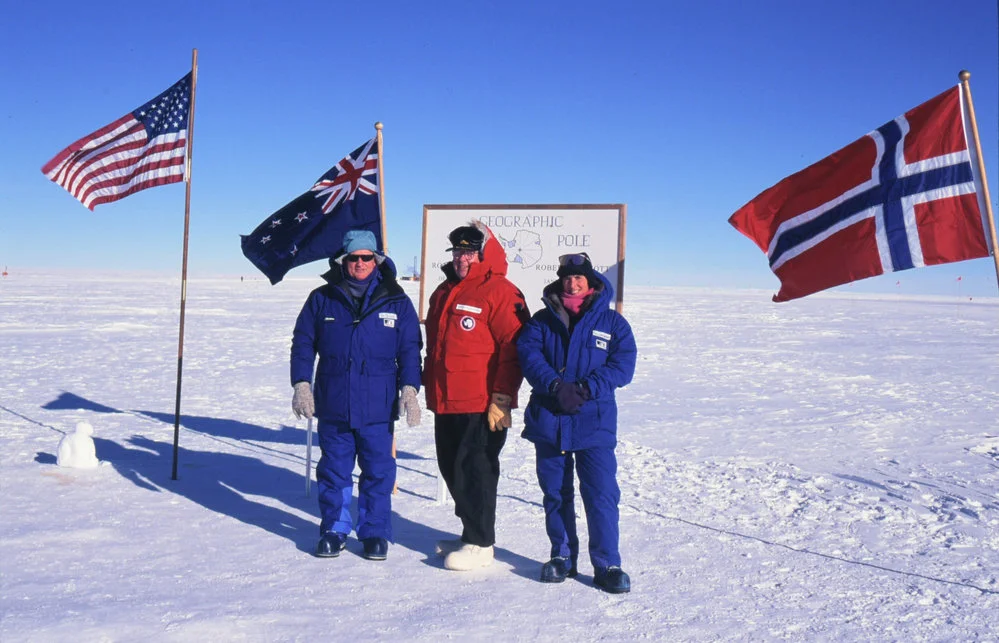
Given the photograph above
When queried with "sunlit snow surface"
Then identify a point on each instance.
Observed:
(822, 469)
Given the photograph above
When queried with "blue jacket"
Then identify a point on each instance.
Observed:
(600, 351)
(365, 355)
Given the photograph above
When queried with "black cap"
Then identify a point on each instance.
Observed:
(576, 264)
(466, 238)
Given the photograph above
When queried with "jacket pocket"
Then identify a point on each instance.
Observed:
(597, 345)
(379, 376)
(540, 424)
(331, 395)
(467, 370)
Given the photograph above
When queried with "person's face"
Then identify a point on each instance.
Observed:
(463, 260)
(574, 284)
(360, 264)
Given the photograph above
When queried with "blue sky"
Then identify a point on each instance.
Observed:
(682, 110)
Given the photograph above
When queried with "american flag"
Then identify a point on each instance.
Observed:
(311, 227)
(904, 196)
(140, 150)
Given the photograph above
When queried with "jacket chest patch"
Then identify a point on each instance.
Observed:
(467, 323)
(468, 309)
(600, 339)
(388, 319)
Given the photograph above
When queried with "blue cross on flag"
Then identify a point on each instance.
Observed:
(904, 196)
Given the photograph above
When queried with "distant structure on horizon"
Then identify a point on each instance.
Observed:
(414, 272)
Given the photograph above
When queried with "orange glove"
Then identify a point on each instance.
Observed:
(498, 413)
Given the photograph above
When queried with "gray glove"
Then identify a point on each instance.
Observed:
(302, 402)
(410, 405)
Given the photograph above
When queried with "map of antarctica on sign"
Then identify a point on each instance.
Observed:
(534, 237)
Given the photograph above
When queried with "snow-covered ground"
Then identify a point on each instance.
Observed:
(825, 469)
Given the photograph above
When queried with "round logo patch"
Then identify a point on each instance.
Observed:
(467, 323)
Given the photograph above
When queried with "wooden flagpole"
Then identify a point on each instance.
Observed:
(966, 88)
(381, 216)
(183, 271)
(381, 186)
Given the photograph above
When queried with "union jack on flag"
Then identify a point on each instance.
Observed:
(311, 226)
(351, 178)
(140, 150)
(906, 195)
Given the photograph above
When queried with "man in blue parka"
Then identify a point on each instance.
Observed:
(364, 329)
(575, 353)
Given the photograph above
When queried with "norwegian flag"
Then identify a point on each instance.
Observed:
(904, 196)
(311, 226)
(140, 150)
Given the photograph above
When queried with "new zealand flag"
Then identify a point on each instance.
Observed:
(904, 196)
(311, 227)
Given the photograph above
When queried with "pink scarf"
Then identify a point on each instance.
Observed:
(573, 303)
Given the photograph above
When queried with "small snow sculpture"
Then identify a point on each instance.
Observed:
(77, 449)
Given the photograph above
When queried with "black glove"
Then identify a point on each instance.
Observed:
(570, 397)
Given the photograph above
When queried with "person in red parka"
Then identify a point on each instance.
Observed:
(472, 375)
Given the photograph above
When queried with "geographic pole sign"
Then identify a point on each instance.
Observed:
(534, 236)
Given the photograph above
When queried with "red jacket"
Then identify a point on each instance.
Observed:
(472, 328)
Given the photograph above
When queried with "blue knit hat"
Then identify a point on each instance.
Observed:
(354, 240)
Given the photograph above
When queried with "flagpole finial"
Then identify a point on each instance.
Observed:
(964, 75)
(378, 125)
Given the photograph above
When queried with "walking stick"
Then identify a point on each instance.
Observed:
(308, 459)
(441, 490)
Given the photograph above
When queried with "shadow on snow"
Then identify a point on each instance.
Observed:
(222, 482)
(72, 402)
(225, 482)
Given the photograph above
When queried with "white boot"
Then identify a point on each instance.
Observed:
(445, 547)
(469, 557)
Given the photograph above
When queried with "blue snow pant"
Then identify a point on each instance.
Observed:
(597, 470)
(371, 448)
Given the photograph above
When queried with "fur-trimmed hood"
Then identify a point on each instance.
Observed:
(492, 258)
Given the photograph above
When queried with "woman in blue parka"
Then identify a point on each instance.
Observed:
(575, 353)
(364, 329)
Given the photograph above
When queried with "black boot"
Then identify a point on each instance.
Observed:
(330, 545)
(612, 579)
(557, 570)
(375, 548)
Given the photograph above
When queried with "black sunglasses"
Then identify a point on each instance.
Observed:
(356, 258)
(577, 259)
